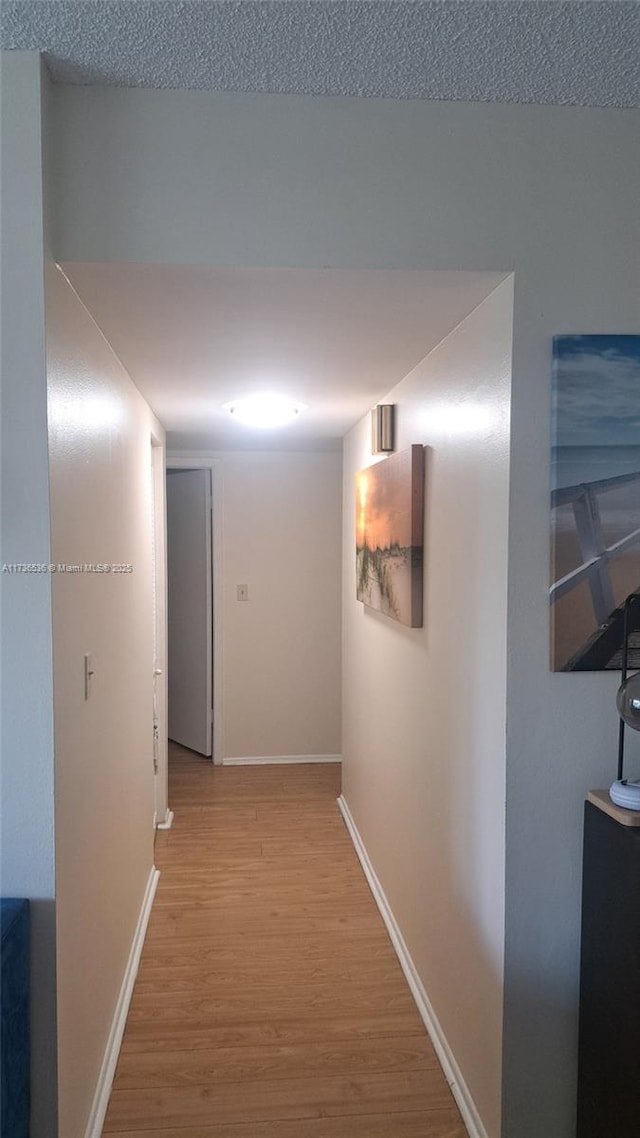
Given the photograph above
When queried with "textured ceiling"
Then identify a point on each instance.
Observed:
(194, 338)
(584, 53)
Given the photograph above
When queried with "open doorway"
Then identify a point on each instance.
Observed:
(190, 609)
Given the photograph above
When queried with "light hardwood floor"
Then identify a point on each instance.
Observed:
(269, 1001)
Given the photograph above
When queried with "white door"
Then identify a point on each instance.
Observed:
(190, 608)
(159, 595)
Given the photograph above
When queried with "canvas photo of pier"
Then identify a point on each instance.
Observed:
(389, 536)
(595, 498)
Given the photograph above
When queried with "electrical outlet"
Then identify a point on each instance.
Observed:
(243, 592)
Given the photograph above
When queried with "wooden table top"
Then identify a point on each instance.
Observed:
(600, 798)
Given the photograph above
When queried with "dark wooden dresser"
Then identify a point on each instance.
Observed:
(609, 1033)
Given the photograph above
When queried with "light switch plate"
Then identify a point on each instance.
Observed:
(243, 592)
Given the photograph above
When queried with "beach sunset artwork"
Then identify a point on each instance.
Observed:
(595, 497)
(389, 536)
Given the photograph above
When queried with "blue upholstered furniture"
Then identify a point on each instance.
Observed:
(14, 1015)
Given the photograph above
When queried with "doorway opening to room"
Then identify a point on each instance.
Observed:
(190, 610)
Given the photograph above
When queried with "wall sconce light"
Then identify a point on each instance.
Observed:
(383, 428)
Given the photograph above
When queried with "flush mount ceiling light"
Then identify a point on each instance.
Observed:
(264, 410)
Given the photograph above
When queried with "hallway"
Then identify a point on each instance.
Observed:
(269, 1001)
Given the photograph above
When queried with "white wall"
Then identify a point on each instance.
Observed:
(278, 525)
(100, 432)
(425, 709)
(27, 861)
(550, 192)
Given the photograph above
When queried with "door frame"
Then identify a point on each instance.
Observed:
(198, 460)
(162, 815)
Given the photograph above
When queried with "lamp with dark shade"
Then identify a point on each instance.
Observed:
(623, 792)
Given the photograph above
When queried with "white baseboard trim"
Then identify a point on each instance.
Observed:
(108, 1069)
(275, 760)
(168, 821)
(453, 1075)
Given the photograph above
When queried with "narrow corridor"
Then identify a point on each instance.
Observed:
(269, 1001)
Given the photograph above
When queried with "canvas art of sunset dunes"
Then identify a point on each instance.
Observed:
(389, 536)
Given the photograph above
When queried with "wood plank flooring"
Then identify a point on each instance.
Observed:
(269, 1001)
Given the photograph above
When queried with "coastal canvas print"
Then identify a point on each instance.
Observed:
(389, 536)
(595, 499)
